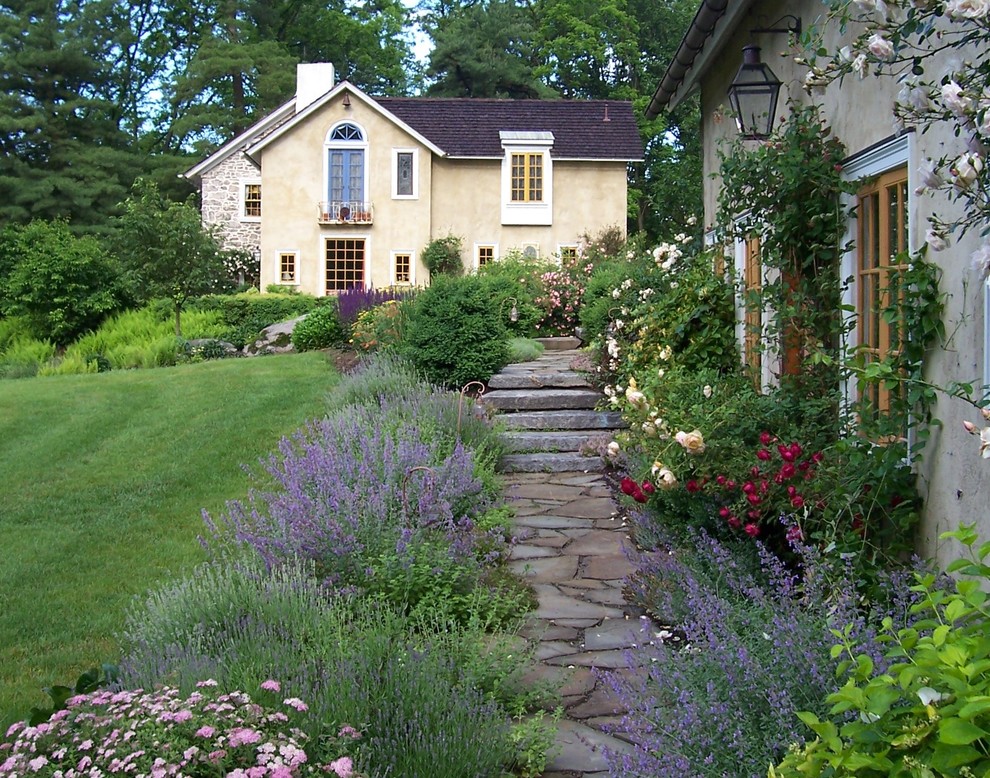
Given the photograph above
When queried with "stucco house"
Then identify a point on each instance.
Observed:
(891, 214)
(337, 188)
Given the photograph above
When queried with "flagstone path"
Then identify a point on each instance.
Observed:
(571, 548)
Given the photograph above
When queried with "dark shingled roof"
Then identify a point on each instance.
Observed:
(467, 127)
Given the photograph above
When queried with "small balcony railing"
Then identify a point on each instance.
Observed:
(346, 212)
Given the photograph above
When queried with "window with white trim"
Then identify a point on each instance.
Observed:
(484, 254)
(405, 164)
(251, 200)
(346, 172)
(567, 251)
(402, 268)
(880, 229)
(287, 267)
(345, 261)
(527, 178)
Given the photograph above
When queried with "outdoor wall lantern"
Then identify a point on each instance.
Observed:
(754, 91)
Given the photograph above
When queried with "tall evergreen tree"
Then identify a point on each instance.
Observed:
(62, 154)
(484, 49)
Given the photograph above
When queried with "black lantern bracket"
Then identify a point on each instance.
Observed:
(794, 26)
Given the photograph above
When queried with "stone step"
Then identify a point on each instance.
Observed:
(559, 440)
(565, 462)
(537, 379)
(567, 343)
(564, 420)
(542, 399)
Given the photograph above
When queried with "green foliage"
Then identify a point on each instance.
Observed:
(485, 50)
(246, 315)
(518, 285)
(455, 332)
(799, 222)
(91, 680)
(21, 357)
(384, 374)
(533, 739)
(166, 248)
(669, 311)
(63, 152)
(320, 329)
(442, 256)
(928, 713)
(524, 350)
(60, 284)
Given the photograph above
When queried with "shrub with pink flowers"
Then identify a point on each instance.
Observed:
(563, 289)
(163, 733)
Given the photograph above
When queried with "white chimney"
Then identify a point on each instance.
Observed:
(313, 80)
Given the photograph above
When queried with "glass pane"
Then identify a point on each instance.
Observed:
(356, 176)
(336, 176)
(404, 171)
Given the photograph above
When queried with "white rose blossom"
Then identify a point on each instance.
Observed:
(981, 260)
(859, 65)
(954, 99)
(968, 9)
(880, 47)
(935, 241)
(966, 169)
(930, 179)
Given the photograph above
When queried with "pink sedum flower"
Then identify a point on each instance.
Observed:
(271, 685)
(343, 767)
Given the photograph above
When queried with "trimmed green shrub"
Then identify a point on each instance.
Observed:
(443, 256)
(246, 315)
(455, 333)
(320, 329)
(519, 283)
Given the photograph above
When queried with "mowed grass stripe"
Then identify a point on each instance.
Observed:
(102, 482)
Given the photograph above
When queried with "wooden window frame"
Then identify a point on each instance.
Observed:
(251, 200)
(878, 241)
(753, 310)
(402, 276)
(288, 267)
(527, 176)
(342, 272)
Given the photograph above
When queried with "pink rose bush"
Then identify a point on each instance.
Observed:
(164, 733)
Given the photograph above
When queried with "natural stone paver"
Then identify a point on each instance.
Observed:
(590, 508)
(554, 568)
(571, 547)
(608, 566)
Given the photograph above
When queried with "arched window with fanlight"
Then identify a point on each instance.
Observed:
(346, 174)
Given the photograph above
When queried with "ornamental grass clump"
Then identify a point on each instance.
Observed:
(163, 732)
(757, 651)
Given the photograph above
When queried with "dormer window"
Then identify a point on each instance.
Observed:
(527, 178)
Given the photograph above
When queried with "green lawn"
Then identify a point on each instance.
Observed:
(103, 480)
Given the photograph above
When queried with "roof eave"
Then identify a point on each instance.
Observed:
(239, 142)
(255, 148)
(713, 23)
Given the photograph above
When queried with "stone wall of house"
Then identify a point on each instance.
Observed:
(223, 188)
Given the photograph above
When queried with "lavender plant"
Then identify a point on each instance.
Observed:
(758, 649)
(347, 489)
(353, 301)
